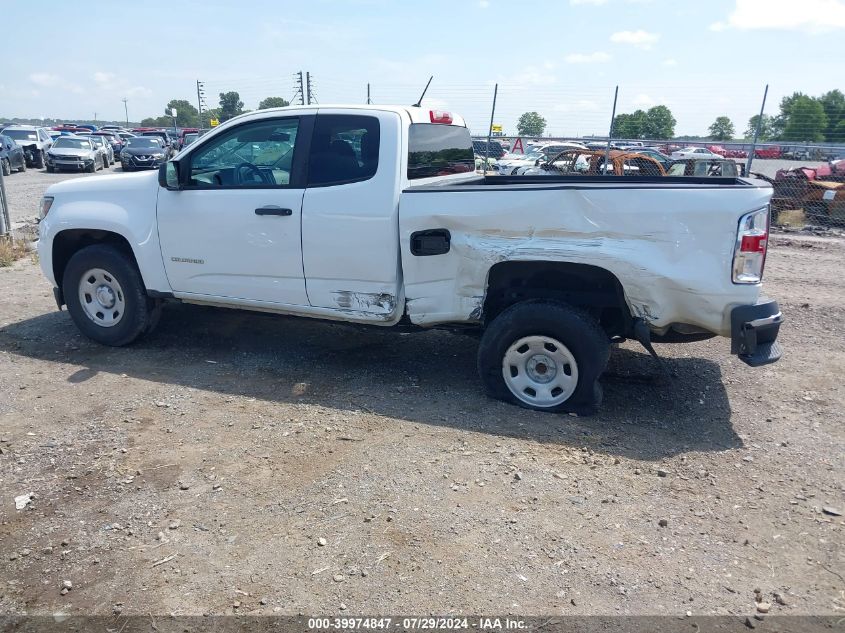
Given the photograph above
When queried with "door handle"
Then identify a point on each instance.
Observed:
(273, 210)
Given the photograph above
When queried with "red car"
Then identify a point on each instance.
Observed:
(773, 151)
(718, 149)
(186, 130)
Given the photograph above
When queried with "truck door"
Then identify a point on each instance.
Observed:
(233, 231)
(350, 230)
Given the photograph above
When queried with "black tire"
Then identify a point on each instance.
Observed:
(92, 168)
(816, 213)
(138, 308)
(23, 165)
(6, 167)
(40, 160)
(50, 169)
(572, 327)
(125, 166)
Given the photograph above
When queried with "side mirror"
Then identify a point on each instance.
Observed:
(169, 176)
(537, 163)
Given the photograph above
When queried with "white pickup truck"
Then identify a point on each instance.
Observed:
(374, 215)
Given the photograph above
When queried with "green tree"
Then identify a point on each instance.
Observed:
(186, 114)
(767, 131)
(659, 123)
(838, 133)
(833, 103)
(722, 129)
(655, 123)
(230, 105)
(806, 120)
(273, 102)
(629, 126)
(531, 124)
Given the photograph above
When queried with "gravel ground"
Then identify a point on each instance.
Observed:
(237, 462)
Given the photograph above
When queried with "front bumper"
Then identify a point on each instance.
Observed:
(754, 332)
(134, 161)
(75, 165)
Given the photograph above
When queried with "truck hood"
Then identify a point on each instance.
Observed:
(109, 184)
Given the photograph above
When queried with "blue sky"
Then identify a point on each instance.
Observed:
(562, 58)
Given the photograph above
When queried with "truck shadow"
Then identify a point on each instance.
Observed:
(426, 377)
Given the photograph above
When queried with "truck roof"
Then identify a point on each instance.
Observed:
(422, 114)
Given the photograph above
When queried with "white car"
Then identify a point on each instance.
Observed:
(379, 218)
(509, 164)
(35, 141)
(695, 152)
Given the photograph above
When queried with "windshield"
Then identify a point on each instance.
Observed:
(97, 140)
(22, 135)
(144, 141)
(75, 143)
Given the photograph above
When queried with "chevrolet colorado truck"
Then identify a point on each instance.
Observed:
(374, 215)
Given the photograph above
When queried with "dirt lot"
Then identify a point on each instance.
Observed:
(237, 462)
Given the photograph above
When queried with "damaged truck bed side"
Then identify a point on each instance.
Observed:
(373, 214)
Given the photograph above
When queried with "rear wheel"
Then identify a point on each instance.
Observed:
(816, 213)
(105, 296)
(544, 355)
(22, 168)
(6, 167)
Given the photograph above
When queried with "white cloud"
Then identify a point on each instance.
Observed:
(643, 101)
(640, 38)
(814, 16)
(598, 57)
(43, 79)
(54, 82)
(483, 4)
(593, 2)
(101, 77)
(669, 62)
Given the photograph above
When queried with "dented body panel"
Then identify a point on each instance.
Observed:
(670, 246)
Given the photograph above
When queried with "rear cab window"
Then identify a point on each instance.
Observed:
(435, 149)
(344, 149)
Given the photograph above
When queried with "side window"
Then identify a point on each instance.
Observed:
(258, 154)
(344, 149)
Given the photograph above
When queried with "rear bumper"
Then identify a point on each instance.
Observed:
(754, 332)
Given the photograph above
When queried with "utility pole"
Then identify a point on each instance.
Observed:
(368, 95)
(95, 117)
(126, 110)
(200, 100)
(308, 86)
(300, 90)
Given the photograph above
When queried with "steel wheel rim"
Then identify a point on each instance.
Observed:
(101, 297)
(540, 371)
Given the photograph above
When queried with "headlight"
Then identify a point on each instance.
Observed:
(46, 203)
(158, 155)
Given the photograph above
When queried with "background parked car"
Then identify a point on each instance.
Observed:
(189, 138)
(694, 152)
(143, 152)
(11, 156)
(166, 141)
(480, 148)
(76, 153)
(104, 147)
(35, 141)
(114, 140)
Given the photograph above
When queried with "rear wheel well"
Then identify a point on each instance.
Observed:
(595, 290)
(67, 243)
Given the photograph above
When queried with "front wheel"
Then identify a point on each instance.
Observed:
(40, 160)
(6, 167)
(105, 296)
(544, 355)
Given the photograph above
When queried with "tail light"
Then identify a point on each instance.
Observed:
(439, 116)
(752, 239)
